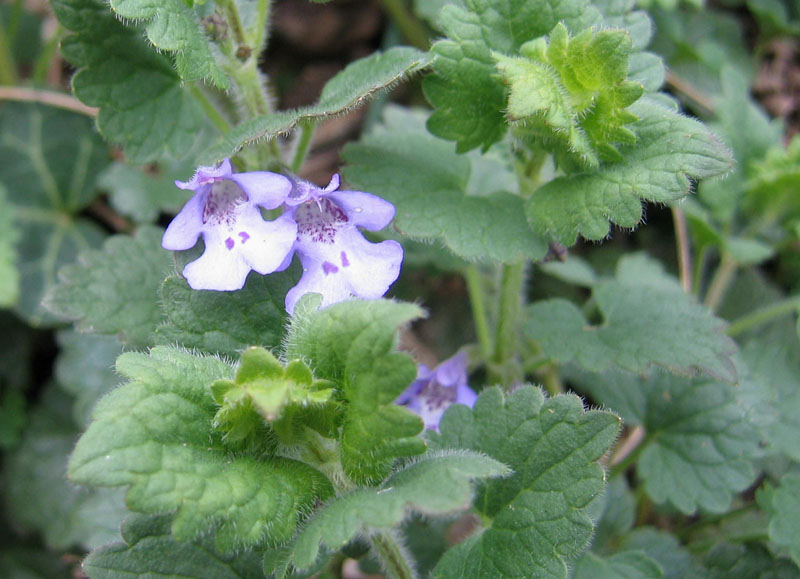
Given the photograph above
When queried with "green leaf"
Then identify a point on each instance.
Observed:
(700, 440)
(647, 319)
(144, 105)
(38, 495)
(747, 560)
(141, 193)
(115, 290)
(571, 93)
(773, 363)
(772, 188)
(226, 322)
(429, 185)
(662, 546)
(173, 27)
(468, 97)
(437, 484)
(85, 369)
(154, 435)
(9, 234)
(624, 565)
(48, 162)
(671, 149)
(616, 516)
(353, 343)
(150, 551)
(782, 504)
(349, 89)
(538, 515)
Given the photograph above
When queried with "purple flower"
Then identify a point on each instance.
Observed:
(224, 210)
(337, 261)
(435, 391)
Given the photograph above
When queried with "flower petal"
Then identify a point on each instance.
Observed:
(453, 371)
(363, 209)
(264, 245)
(183, 231)
(269, 190)
(218, 268)
(204, 174)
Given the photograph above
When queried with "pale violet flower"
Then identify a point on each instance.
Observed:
(434, 391)
(225, 211)
(337, 261)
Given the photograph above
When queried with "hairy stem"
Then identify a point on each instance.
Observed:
(720, 282)
(684, 250)
(303, 145)
(508, 322)
(392, 556)
(211, 111)
(412, 29)
(477, 299)
(764, 315)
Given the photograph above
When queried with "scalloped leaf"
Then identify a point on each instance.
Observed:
(144, 105)
(436, 484)
(671, 151)
(115, 290)
(155, 435)
(173, 27)
(354, 344)
(436, 194)
(647, 319)
(537, 519)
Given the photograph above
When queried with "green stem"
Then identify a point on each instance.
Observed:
(622, 466)
(508, 322)
(235, 24)
(211, 111)
(411, 28)
(252, 93)
(8, 70)
(763, 315)
(477, 298)
(684, 251)
(720, 282)
(45, 58)
(699, 265)
(392, 556)
(262, 27)
(303, 144)
(551, 380)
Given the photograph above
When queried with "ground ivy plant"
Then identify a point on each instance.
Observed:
(539, 321)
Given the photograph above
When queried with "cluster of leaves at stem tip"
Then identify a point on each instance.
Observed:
(239, 383)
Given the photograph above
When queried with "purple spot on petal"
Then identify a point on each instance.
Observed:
(229, 243)
(328, 267)
(345, 261)
(244, 235)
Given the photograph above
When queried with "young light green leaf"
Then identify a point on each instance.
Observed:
(141, 193)
(671, 149)
(226, 322)
(353, 343)
(700, 441)
(437, 484)
(154, 435)
(571, 94)
(85, 369)
(539, 514)
(624, 565)
(144, 106)
(48, 162)
(173, 27)
(144, 554)
(647, 319)
(39, 497)
(782, 504)
(349, 89)
(468, 98)
(115, 290)
(9, 234)
(429, 185)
